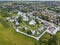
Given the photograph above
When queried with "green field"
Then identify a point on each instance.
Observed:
(58, 38)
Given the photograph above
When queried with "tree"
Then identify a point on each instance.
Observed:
(37, 21)
(29, 32)
(52, 41)
(4, 13)
(36, 14)
(23, 10)
(23, 29)
(45, 17)
(43, 42)
(20, 19)
(58, 18)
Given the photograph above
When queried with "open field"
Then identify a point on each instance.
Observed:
(58, 38)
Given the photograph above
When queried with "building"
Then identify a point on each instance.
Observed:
(25, 18)
(41, 29)
(17, 30)
(20, 13)
(16, 23)
(52, 30)
(32, 22)
(9, 19)
(33, 32)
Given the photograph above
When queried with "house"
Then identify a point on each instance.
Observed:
(25, 18)
(20, 13)
(17, 30)
(37, 18)
(41, 29)
(33, 32)
(44, 23)
(59, 24)
(32, 22)
(38, 34)
(17, 17)
(45, 26)
(25, 28)
(16, 23)
(52, 30)
(9, 19)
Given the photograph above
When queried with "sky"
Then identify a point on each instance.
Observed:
(29, 0)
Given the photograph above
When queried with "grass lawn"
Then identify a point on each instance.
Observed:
(58, 38)
(46, 36)
(14, 14)
(32, 27)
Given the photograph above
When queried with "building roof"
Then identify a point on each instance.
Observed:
(20, 13)
(33, 32)
(17, 23)
(52, 30)
(32, 22)
(17, 30)
(25, 18)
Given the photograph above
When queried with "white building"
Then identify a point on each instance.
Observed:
(9, 19)
(17, 30)
(25, 18)
(38, 34)
(17, 23)
(20, 13)
(17, 17)
(52, 30)
(41, 28)
(33, 32)
(25, 28)
(32, 22)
